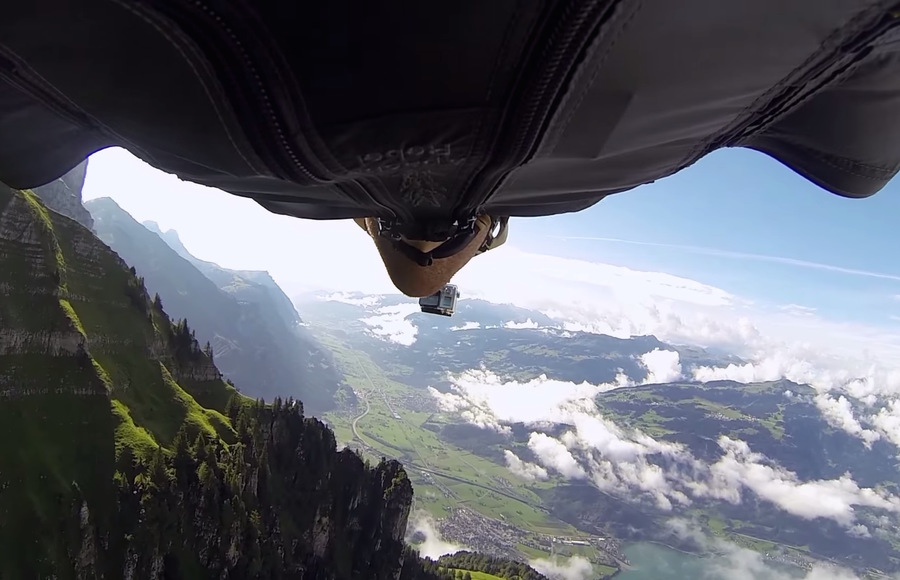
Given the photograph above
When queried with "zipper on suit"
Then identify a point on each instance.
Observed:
(19, 74)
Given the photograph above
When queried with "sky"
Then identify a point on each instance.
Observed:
(737, 229)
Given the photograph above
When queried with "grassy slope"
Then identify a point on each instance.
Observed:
(651, 422)
(58, 448)
(476, 575)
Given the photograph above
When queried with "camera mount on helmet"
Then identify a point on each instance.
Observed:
(442, 302)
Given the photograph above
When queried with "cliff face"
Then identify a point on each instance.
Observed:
(123, 454)
(64, 195)
(251, 325)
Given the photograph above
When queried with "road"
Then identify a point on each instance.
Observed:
(356, 420)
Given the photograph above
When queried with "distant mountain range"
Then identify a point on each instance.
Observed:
(510, 341)
(255, 332)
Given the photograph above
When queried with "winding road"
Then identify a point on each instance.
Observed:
(356, 420)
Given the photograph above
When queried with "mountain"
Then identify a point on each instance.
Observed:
(507, 340)
(254, 331)
(251, 286)
(123, 453)
(511, 425)
(63, 195)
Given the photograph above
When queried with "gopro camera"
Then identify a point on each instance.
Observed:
(442, 302)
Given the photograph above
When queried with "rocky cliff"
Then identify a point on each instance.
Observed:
(123, 454)
(63, 195)
(251, 285)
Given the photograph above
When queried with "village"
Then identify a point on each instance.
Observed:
(496, 537)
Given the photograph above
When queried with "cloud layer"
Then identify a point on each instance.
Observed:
(574, 568)
(630, 463)
(390, 323)
(434, 546)
(523, 469)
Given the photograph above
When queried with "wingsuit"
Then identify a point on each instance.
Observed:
(419, 118)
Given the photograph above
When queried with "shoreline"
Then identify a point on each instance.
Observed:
(685, 552)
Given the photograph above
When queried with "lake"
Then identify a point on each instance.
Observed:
(654, 562)
(651, 561)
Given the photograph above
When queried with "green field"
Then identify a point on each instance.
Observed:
(605, 571)
(476, 575)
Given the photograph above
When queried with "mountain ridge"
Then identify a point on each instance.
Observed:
(63, 195)
(253, 329)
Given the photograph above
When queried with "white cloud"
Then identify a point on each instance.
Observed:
(434, 545)
(856, 377)
(859, 531)
(471, 413)
(540, 399)
(574, 568)
(797, 309)
(391, 324)
(740, 468)
(663, 366)
(467, 326)
(352, 299)
(839, 413)
(524, 469)
(554, 455)
(887, 421)
(528, 324)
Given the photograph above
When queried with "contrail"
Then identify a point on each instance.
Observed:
(743, 256)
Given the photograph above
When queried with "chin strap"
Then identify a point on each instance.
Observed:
(414, 254)
(497, 232)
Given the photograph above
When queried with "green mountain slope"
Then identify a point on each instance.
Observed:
(63, 195)
(123, 454)
(255, 345)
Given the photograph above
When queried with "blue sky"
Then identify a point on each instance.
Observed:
(744, 202)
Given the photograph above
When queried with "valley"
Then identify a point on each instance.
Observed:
(476, 502)
(462, 479)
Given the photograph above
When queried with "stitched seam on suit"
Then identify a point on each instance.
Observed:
(845, 164)
(165, 34)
